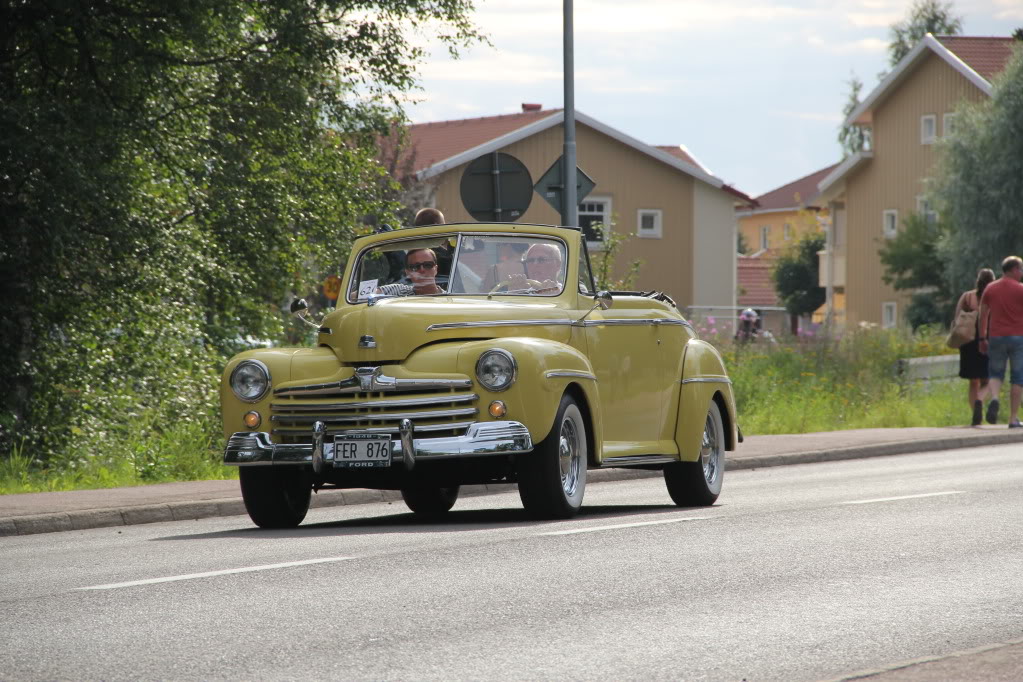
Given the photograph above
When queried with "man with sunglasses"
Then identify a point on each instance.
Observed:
(421, 270)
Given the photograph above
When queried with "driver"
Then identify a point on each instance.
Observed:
(421, 270)
(542, 264)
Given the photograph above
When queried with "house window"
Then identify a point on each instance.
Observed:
(649, 223)
(890, 223)
(765, 236)
(948, 124)
(593, 213)
(788, 231)
(889, 315)
(928, 128)
(923, 207)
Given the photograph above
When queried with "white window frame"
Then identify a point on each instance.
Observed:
(607, 216)
(656, 231)
(787, 232)
(890, 217)
(765, 237)
(923, 207)
(928, 121)
(889, 315)
(948, 123)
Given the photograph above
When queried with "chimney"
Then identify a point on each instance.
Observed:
(530, 107)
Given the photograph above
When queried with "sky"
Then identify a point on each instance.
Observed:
(754, 90)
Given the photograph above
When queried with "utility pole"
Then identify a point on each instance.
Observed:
(570, 202)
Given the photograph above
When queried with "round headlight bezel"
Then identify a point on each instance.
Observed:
(512, 369)
(262, 370)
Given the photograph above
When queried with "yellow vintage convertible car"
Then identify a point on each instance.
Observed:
(478, 353)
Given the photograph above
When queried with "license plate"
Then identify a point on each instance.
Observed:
(362, 451)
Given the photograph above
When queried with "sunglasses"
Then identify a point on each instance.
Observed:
(422, 265)
(535, 261)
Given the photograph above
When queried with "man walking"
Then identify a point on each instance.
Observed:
(1001, 336)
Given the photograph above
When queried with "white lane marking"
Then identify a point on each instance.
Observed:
(594, 529)
(210, 574)
(906, 497)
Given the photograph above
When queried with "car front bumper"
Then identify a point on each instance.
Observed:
(481, 439)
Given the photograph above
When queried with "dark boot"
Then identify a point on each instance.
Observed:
(992, 412)
(978, 409)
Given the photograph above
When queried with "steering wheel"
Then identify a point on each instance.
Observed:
(530, 283)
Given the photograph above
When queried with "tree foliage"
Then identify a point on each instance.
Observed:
(796, 275)
(925, 16)
(852, 138)
(979, 181)
(912, 263)
(171, 174)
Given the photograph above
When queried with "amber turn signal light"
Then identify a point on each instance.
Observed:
(498, 409)
(252, 419)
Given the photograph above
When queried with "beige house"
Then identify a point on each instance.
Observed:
(871, 192)
(784, 214)
(680, 217)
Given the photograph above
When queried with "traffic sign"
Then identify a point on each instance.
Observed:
(496, 187)
(551, 186)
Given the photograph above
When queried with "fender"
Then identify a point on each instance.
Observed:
(545, 369)
(703, 379)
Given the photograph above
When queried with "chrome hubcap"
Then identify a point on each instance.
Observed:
(710, 453)
(568, 456)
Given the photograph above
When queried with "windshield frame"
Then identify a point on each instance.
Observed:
(351, 288)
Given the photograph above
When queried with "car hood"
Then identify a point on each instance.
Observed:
(390, 329)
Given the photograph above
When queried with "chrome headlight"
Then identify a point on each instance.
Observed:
(250, 380)
(496, 370)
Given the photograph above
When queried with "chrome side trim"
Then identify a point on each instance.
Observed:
(637, 460)
(499, 323)
(375, 416)
(634, 322)
(483, 439)
(371, 379)
(707, 380)
(570, 374)
(442, 399)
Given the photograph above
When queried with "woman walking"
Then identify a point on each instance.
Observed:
(973, 363)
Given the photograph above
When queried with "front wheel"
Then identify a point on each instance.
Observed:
(698, 484)
(430, 501)
(552, 478)
(275, 497)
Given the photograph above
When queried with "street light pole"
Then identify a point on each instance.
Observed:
(570, 202)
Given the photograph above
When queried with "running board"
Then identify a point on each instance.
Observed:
(646, 461)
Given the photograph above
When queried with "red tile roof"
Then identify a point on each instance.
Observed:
(796, 194)
(678, 151)
(754, 280)
(986, 56)
(437, 141)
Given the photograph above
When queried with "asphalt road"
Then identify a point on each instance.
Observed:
(806, 572)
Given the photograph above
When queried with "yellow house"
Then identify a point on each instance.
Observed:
(871, 192)
(784, 214)
(679, 217)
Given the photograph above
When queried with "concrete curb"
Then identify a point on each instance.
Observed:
(183, 511)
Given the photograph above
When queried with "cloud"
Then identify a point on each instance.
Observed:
(861, 46)
(809, 116)
(1008, 9)
(510, 67)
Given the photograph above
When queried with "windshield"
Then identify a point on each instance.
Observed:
(461, 264)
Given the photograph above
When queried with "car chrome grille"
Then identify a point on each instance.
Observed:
(437, 413)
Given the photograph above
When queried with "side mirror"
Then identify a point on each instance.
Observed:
(299, 306)
(603, 299)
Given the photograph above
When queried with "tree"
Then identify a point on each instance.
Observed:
(796, 275)
(979, 180)
(925, 16)
(172, 174)
(603, 261)
(912, 263)
(853, 138)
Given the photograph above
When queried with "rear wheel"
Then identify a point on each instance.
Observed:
(698, 484)
(275, 497)
(430, 500)
(552, 478)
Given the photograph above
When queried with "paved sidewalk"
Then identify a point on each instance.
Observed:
(62, 511)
